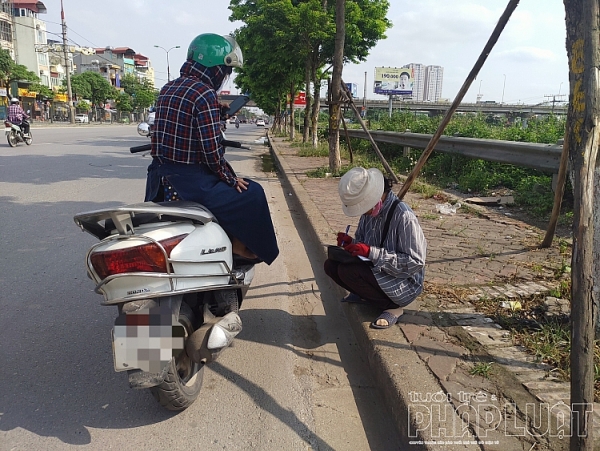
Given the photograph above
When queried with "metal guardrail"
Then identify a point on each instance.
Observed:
(545, 157)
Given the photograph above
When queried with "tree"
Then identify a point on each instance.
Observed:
(296, 39)
(141, 92)
(583, 120)
(123, 102)
(92, 86)
(272, 61)
(42, 90)
(84, 106)
(335, 89)
(11, 71)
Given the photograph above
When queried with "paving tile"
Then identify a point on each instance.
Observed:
(455, 246)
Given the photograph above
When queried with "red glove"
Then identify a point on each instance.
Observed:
(360, 249)
(343, 239)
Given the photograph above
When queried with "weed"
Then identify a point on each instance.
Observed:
(461, 231)
(538, 268)
(563, 246)
(481, 369)
(424, 189)
(470, 210)
(562, 291)
(428, 216)
(565, 268)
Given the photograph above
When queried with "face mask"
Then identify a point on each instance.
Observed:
(376, 208)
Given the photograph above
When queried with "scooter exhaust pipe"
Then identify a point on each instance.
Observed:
(205, 344)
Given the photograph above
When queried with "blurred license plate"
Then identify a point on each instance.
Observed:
(146, 339)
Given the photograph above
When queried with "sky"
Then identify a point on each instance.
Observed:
(527, 65)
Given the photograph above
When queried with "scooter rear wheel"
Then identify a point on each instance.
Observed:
(12, 139)
(183, 382)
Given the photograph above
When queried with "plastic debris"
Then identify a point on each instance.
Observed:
(447, 208)
(511, 305)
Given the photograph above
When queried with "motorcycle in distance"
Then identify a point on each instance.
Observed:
(169, 269)
(15, 135)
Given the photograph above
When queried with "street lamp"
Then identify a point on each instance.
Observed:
(503, 86)
(167, 52)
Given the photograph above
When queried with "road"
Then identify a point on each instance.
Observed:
(294, 379)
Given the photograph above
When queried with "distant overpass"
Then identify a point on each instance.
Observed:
(440, 108)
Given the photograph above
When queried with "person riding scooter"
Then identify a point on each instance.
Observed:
(17, 116)
(188, 157)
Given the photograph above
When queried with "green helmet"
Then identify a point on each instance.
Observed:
(211, 50)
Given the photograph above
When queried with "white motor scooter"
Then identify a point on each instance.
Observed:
(15, 135)
(169, 269)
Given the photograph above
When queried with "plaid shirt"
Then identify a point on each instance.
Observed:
(187, 122)
(16, 113)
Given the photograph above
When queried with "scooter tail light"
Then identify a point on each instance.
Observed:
(145, 258)
(7, 123)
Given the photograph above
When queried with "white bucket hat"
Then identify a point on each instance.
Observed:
(360, 189)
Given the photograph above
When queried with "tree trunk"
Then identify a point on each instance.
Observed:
(315, 112)
(308, 96)
(292, 123)
(583, 23)
(335, 162)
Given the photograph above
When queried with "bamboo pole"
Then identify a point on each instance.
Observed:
(512, 5)
(558, 194)
(364, 127)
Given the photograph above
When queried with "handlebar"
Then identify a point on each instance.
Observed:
(236, 144)
(143, 148)
(225, 142)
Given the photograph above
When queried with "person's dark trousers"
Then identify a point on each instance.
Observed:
(359, 279)
(24, 127)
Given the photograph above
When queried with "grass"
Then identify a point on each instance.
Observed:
(546, 338)
(481, 369)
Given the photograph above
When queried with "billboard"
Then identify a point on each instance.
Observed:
(353, 88)
(393, 81)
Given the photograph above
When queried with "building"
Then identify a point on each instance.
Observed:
(6, 26)
(418, 81)
(29, 33)
(114, 63)
(434, 76)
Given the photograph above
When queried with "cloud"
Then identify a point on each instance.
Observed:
(527, 55)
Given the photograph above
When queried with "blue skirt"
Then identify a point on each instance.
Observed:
(244, 215)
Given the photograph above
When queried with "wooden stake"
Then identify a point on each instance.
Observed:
(512, 5)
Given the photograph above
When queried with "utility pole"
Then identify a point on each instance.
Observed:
(67, 68)
(554, 100)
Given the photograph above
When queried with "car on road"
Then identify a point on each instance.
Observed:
(82, 118)
(260, 122)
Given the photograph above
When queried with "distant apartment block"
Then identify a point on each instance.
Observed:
(427, 82)
(434, 76)
(418, 81)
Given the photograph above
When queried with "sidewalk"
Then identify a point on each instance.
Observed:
(424, 364)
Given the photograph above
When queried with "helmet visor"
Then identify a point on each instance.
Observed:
(235, 57)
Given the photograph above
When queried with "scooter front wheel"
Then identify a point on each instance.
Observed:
(28, 139)
(183, 381)
(11, 137)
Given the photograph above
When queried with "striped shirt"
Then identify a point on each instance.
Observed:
(399, 266)
(187, 125)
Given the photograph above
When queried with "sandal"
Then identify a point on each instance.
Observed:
(387, 316)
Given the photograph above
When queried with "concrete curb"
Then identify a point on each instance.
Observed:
(397, 376)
